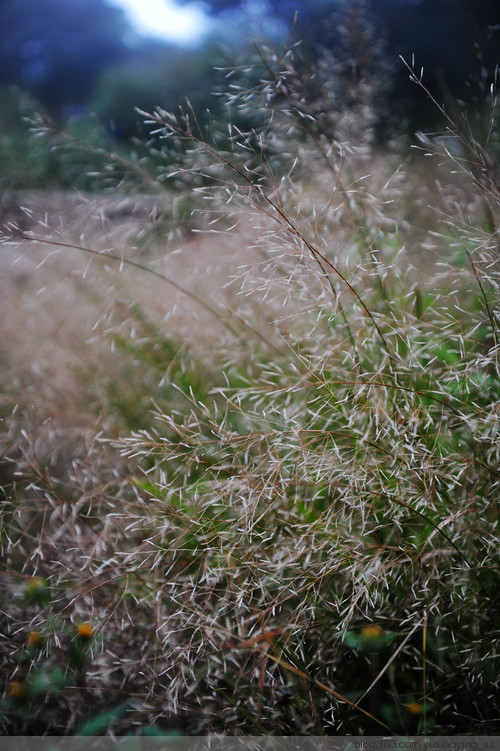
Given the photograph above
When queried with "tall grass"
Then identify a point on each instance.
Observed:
(297, 534)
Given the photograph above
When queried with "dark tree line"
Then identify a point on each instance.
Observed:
(59, 51)
(457, 42)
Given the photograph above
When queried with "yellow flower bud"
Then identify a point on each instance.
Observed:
(414, 708)
(34, 638)
(85, 630)
(16, 690)
(371, 632)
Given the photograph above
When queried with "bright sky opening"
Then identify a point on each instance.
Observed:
(166, 20)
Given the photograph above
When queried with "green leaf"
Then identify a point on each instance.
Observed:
(102, 721)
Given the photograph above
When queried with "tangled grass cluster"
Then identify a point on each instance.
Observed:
(297, 534)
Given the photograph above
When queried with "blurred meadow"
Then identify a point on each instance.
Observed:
(249, 369)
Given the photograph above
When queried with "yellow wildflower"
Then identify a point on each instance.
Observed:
(85, 630)
(371, 632)
(414, 708)
(34, 638)
(16, 690)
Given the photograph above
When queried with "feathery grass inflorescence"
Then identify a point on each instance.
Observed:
(300, 533)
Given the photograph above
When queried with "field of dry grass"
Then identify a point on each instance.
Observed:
(64, 292)
(91, 346)
(61, 308)
(251, 432)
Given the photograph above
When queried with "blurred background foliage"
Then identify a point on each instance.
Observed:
(81, 63)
